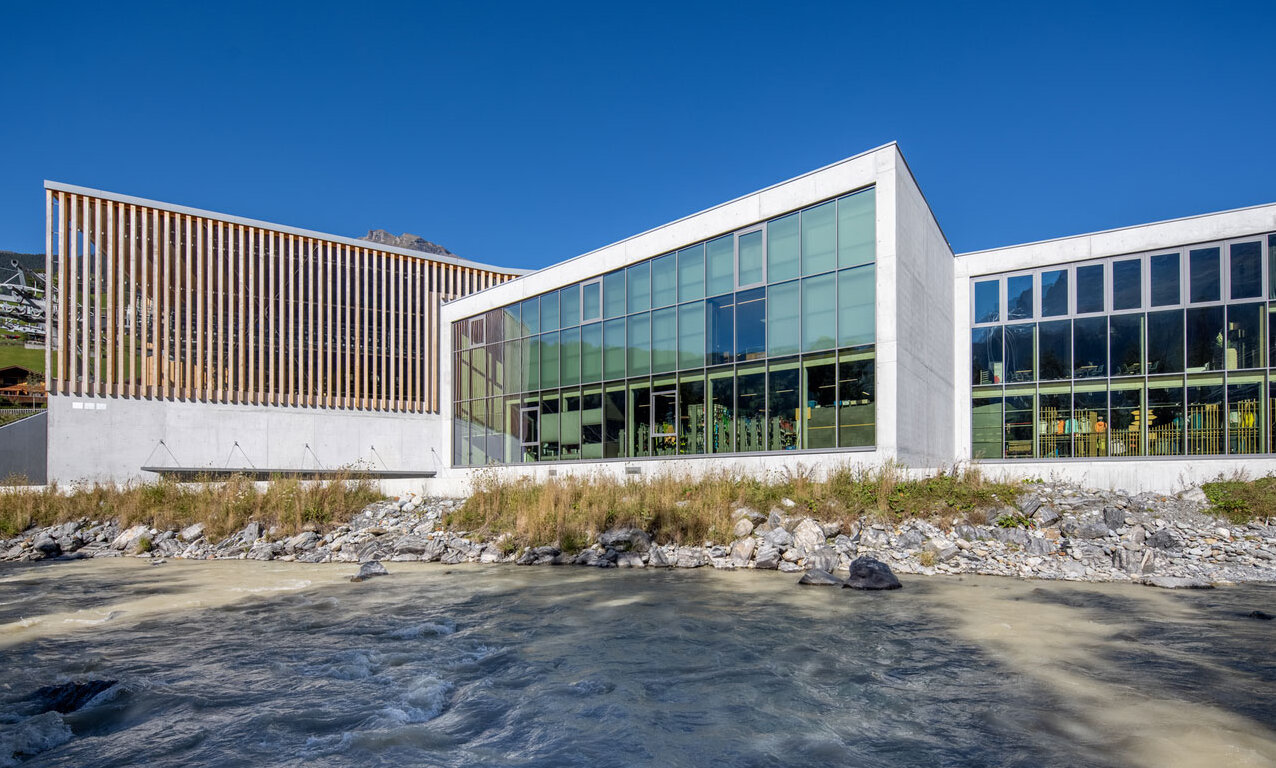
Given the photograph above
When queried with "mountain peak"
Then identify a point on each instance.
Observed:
(406, 240)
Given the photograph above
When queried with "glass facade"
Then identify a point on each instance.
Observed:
(759, 340)
(1168, 353)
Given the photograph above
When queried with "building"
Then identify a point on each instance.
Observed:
(821, 321)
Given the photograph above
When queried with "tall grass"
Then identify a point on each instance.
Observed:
(1240, 500)
(223, 506)
(571, 511)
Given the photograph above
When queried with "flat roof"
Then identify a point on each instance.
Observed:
(58, 186)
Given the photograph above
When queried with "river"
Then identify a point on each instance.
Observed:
(251, 663)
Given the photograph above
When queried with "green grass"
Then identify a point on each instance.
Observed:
(17, 354)
(572, 511)
(1240, 501)
(223, 507)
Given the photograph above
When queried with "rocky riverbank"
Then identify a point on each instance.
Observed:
(1054, 531)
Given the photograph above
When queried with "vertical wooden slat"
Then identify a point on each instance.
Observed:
(273, 322)
(259, 317)
(240, 315)
(392, 348)
(108, 382)
(86, 275)
(316, 381)
(290, 386)
(50, 383)
(121, 283)
(188, 309)
(324, 313)
(136, 285)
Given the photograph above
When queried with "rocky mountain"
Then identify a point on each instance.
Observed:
(406, 240)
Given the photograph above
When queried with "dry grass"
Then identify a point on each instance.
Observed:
(1240, 500)
(223, 507)
(571, 511)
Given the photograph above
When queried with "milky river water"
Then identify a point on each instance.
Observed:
(249, 663)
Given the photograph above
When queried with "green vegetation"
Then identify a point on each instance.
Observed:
(223, 507)
(571, 511)
(1014, 521)
(1239, 500)
(10, 415)
(18, 354)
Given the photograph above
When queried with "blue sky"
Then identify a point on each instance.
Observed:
(524, 134)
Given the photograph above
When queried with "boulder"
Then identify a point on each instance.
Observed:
(369, 570)
(1176, 582)
(767, 557)
(910, 539)
(822, 559)
(625, 540)
(657, 558)
(818, 577)
(69, 697)
(129, 540)
(778, 538)
(787, 567)
(1194, 495)
(1113, 518)
(411, 545)
(1029, 505)
(867, 573)
(1085, 529)
(1038, 545)
(433, 550)
(47, 546)
(1045, 516)
(742, 550)
(690, 557)
(1164, 539)
(302, 542)
(629, 560)
(743, 527)
(808, 536)
(748, 513)
(250, 533)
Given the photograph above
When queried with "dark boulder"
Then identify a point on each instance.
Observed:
(867, 573)
(68, 697)
(370, 569)
(819, 578)
(46, 546)
(1164, 539)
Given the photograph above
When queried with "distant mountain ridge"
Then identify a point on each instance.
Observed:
(406, 240)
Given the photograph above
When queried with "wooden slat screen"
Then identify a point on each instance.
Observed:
(153, 303)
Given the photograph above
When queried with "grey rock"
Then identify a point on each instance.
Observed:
(129, 540)
(767, 557)
(822, 559)
(1010, 536)
(657, 558)
(818, 577)
(47, 546)
(433, 550)
(690, 557)
(871, 574)
(910, 539)
(261, 552)
(743, 527)
(369, 570)
(742, 550)
(1039, 545)
(1165, 538)
(1176, 582)
(845, 545)
(787, 567)
(1085, 529)
(831, 529)
(302, 542)
(251, 533)
(808, 536)
(748, 513)
(411, 545)
(1195, 496)
(1114, 518)
(1028, 505)
(778, 538)
(1072, 569)
(775, 518)
(629, 560)
(625, 540)
(1045, 516)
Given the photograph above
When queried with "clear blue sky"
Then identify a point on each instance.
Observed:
(524, 134)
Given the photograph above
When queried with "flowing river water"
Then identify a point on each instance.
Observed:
(250, 663)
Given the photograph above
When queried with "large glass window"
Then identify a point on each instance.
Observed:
(819, 402)
(1055, 349)
(1165, 342)
(783, 387)
(1090, 420)
(549, 359)
(1019, 297)
(857, 308)
(638, 422)
(856, 398)
(1090, 289)
(591, 423)
(988, 302)
(750, 422)
(638, 287)
(1205, 416)
(614, 294)
(691, 335)
(692, 416)
(856, 229)
(1126, 348)
(1019, 410)
(664, 280)
(985, 357)
(1127, 284)
(1245, 345)
(1205, 283)
(569, 357)
(1245, 413)
(569, 425)
(1127, 412)
(819, 312)
(569, 306)
(720, 266)
(615, 436)
(1054, 293)
(549, 407)
(1090, 347)
(638, 345)
(591, 300)
(664, 340)
(549, 312)
(664, 416)
(819, 239)
(1020, 353)
(1054, 415)
(750, 324)
(1246, 261)
(1205, 339)
(750, 261)
(691, 273)
(782, 248)
(1165, 272)
(722, 410)
(784, 323)
(985, 426)
(531, 313)
(591, 353)
(614, 348)
(1165, 417)
(721, 319)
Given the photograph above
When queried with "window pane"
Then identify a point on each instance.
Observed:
(569, 425)
(591, 423)
(721, 317)
(614, 348)
(988, 303)
(614, 294)
(569, 306)
(549, 360)
(691, 273)
(1205, 416)
(1165, 342)
(550, 405)
(461, 435)
(1019, 412)
(549, 312)
(615, 440)
(1054, 420)
(691, 414)
(1246, 270)
(1127, 284)
(591, 353)
(1205, 275)
(1271, 272)
(1126, 345)
(1205, 339)
(750, 423)
(1021, 352)
(750, 259)
(1165, 275)
(819, 402)
(782, 405)
(591, 300)
(664, 280)
(857, 306)
(1245, 345)
(533, 362)
(782, 249)
(1019, 297)
(856, 229)
(1090, 293)
(819, 245)
(638, 423)
(720, 265)
(784, 323)
(1245, 414)
(664, 340)
(691, 336)
(856, 395)
(819, 312)
(1090, 420)
(1126, 423)
(638, 345)
(985, 427)
(1054, 346)
(722, 421)
(1165, 417)
(1089, 347)
(1054, 293)
(532, 316)
(985, 357)
(750, 324)
(664, 417)
(638, 287)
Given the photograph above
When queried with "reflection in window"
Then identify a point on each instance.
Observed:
(1205, 339)
(1127, 284)
(664, 416)
(1019, 413)
(1054, 293)
(638, 287)
(638, 345)
(1165, 342)
(591, 423)
(591, 300)
(615, 440)
(664, 340)
(549, 312)
(1054, 344)
(784, 323)
(1090, 347)
(856, 395)
(614, 294)
(1165, 273)
(1245, 414)
(720, 266)
(614, 348)
(985, 357)
(985, 427)
(569, 357)
(638, 419)
(988, 302)
(532, 316)
(782, 248)
(750, 423)
(750, 324)
(664, 280)
(691, 335)
(549, 359)
(549, 405)
(856, 229)
(1246, 270)
(857, 308)
(1245, 345)
(569, 426)
(1126, 425)
(819, 231)
(1020, 352)
(819, 312)
(591, 353)
(691, 414)
(1204, 267)
(721, 320)
(1090, 293)
(569, 306)
(819, 400)
(691, 273)
(1019, 297)
(782, 405)
(1126, 345)
(750, 258)
(722, 414)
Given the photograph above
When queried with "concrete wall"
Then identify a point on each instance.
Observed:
(104, 438)
(23, 449)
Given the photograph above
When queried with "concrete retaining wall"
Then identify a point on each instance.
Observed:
(23, 448)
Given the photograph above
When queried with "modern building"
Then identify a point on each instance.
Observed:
(821, 321)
